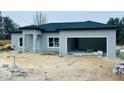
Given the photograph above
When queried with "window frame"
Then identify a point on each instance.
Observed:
(19, 41)
(52, 42)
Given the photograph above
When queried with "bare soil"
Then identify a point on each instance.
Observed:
(55, 68)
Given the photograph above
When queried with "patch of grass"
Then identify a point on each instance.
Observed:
(48, 53)
(4, 42)
(4, 45)
(121, 56)
(2, 48)
(22, 74)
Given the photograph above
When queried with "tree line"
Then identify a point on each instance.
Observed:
(119, 22)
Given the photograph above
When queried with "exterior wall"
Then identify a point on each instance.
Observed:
(15, 40)
(44, 41)
(32, 32)
(30, 40)
(109, 34)
(63, 35)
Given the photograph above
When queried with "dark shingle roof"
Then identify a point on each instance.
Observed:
(16, 31)
(75, 25)
(70, 26)
(31, 27)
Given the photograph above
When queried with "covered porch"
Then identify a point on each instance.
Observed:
(31, 41)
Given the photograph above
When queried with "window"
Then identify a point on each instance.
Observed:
(20, 41)
(53, 42)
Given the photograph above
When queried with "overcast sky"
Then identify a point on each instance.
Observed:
(24, 18)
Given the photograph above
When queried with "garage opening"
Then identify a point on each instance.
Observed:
(86, 46)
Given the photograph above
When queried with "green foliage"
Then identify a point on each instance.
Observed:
(121, 56)
(7, 26)
(119, 22)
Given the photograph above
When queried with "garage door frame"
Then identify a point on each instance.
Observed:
(66, 51)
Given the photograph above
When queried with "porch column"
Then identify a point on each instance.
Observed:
(111, 47)
(34, 42)
(23, 36)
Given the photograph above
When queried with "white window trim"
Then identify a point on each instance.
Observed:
(19, 41)
(52, 37)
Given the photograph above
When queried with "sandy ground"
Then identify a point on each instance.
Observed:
(53, 67)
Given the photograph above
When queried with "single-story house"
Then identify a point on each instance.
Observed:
(66, 38)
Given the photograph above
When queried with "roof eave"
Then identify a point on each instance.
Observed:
(16, 32)
(30, 28)
(88, 28)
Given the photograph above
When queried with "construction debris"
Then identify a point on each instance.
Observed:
(119, 68)
(11, 71)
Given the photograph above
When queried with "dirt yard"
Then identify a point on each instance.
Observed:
(54, 68)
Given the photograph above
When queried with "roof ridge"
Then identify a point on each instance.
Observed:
(74, 22)
(64, 22)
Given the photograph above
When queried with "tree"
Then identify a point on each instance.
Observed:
(119, 23)
(111, 21)
(8, 26)
(1, 24)
(39, 18)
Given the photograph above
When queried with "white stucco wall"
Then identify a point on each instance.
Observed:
(15, 40)
(31, 31)
(30, 40)
(44, 41)
(63, 35)
(109, 34)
